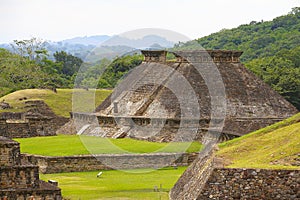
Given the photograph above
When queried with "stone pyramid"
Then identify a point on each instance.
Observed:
(180, 96)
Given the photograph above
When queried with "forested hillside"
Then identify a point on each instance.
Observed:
(256, 39)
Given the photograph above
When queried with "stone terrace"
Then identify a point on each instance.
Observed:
(38, 120)
(21, 180)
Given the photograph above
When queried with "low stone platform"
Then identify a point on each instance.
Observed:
(59, 164)
(37, 120)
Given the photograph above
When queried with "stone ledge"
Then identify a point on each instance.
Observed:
(48, 164)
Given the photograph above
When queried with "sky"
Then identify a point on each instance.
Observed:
(56, 20)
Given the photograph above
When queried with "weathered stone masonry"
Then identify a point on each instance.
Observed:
(38, 120)
(207, 179)
(19, 180)
(252, 184)
(55, 164)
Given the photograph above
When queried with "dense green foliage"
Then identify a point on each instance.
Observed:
(17, 72)
(117, 69)
(29, 67)
(271, 51)
(257, 39)
(106, 73)
(70, 64)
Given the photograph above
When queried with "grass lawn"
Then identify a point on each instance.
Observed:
(66, 145)
(61, 102)
(114, 184)
(273, 147)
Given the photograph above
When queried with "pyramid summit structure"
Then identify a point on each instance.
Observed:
(180, 96)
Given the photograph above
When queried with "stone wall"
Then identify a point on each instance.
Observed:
(10, 152)
(19, 179)
(45, 191)
(194, 178)
(206, 178)
(38, 120)
(49, 164)
(30, 127)
(252, 184)
(24, 176)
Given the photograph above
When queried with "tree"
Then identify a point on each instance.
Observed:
(33, 49)
(118, 68)
(295, 11)
(70, 63)
(17, 72)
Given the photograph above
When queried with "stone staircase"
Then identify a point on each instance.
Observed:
(144, 90)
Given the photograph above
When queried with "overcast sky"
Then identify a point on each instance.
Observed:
(61, 19)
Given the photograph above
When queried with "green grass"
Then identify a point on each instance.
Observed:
(113, 184)
(61, 102)
(273, 147)
(67, 145)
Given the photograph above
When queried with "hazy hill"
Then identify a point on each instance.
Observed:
(140, 43)
(87, 40)
(94, 48)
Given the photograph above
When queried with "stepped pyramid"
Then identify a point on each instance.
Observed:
(19, 180)
(184, 98)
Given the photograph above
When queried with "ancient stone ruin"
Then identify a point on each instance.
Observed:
(182, 99)
(4, 105)
(207, 179)
(37, 120)
(19, 180)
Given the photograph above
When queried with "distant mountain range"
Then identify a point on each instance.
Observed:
(87, 40)
(94, 48)
(145, 42)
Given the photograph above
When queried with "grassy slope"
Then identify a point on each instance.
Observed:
(60, 102)
(273, 147)
(66, 145)
(114, 184)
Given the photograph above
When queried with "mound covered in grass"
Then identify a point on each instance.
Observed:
(60, 101)
(113, 184)
(68, 145)
(274, 147)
